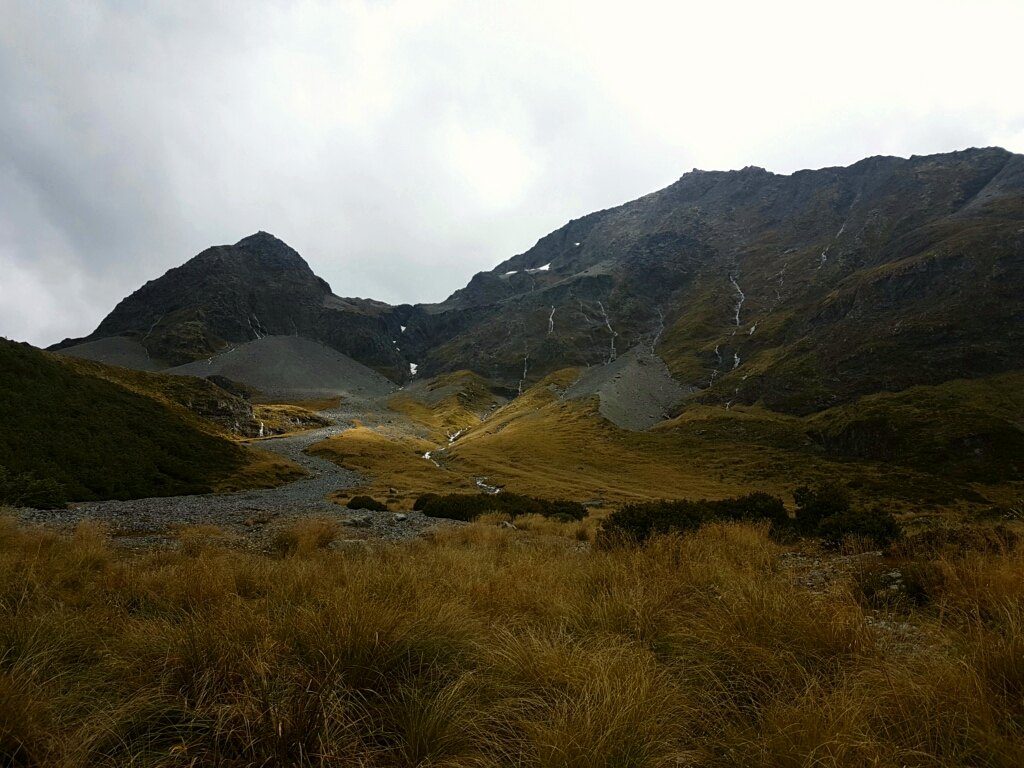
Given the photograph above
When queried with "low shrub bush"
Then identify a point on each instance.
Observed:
(366, 502)
(875, 524)
(826, 512)
(25, 490)
(815, 505)
(467, 507)
(635, 523)
(423, 500)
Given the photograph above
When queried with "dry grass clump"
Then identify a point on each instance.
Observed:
(307, 535)
(580, 530)
(484, 646)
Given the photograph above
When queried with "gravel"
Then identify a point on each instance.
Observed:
(636, 390)
(115, 350)
(292, 368)
(256, 515)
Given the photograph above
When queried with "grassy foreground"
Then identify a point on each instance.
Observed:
(483, 646)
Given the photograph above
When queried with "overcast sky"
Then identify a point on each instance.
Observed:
(401, 146)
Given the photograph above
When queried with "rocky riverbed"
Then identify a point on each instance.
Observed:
(254, 516)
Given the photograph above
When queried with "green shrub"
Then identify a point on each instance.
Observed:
(813, 506)
(635, 523)
(366, 502)
(875, 524)
(24, 490)
(469, 506)
(827, 511)
(754, 506)
(423, 500)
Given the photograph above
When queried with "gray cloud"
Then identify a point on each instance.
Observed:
(402, 146)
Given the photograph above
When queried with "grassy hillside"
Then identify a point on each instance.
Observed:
(963, 430)
(390, 461)
(209, 407)
(541, 445)
(101, 440)
(952, 446)
(449, 403)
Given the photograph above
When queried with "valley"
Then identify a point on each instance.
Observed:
(732, 474)
(735, 332)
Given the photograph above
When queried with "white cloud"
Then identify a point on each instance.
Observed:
(402, 145)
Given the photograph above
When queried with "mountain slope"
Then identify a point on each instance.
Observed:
(98, 439)
(803, 291)
(291, 368)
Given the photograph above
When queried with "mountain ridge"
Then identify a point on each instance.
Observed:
(801, 291)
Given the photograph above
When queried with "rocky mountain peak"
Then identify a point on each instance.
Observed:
(270, 249)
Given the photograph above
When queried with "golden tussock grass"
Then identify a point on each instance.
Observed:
(263, 469)
(467, 397)
(390, 462)
(287, 419)
(543, 446)
(540, 445)
(324, 404)
(482, 646)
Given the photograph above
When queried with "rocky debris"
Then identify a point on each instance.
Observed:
(283, 368)
(826, 571)
(115, 350)
(636, 390)
(820, 572)
(350, 545)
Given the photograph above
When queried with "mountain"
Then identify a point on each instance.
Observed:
(801, 292)
(232, 294)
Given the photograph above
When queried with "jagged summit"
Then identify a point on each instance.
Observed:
(802, 291)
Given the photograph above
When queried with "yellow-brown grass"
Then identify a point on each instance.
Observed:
(469, 399)
(540, 445)
(264, 469)
(544, 446)
(286, 419)
(390, 462)
(485, 646)
(323, 404)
